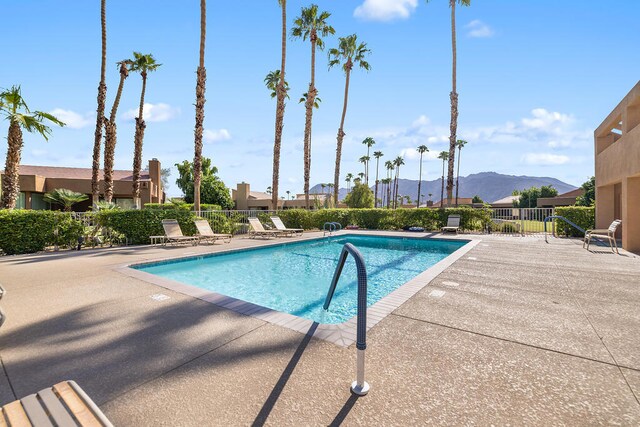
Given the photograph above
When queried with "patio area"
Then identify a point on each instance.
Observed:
(525, 333)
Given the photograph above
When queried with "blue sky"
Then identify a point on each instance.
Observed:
(535, 79)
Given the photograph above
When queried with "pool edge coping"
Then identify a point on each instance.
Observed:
(342, 334)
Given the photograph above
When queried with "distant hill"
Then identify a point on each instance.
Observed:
(490, 186)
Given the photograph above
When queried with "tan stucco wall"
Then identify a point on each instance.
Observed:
(617, 169)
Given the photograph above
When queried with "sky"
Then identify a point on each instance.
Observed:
(535, 78)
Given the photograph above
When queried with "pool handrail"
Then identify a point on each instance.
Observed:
(359, 386)
(549, 218)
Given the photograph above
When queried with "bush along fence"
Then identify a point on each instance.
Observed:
(25, 231)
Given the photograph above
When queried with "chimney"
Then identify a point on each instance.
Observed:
(242, 196)
(155, 170)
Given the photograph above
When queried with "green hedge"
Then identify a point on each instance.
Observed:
(386, 219)
(138, 225)
(27, 231)
(186, 206)
(583, 216)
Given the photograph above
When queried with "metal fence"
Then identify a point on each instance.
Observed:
(519, 220)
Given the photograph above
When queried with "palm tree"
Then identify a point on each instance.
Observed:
(110, 132)
(269, 190)
(14, 108)
(348, 53)
(385, 191)
(323, 185)
(398, 161)
(369, 142)
(143, 64)
(272, 80)
(348, 179)
(364, 160)
(454, 97)
(390, 167)
(461, 143)
(421, 149)
(444, 156)
(281, 94)
(377, 155)
(201, 80)
(361, 175)
(288, 194)
(311, 25)
(65, 198)
(102, 96)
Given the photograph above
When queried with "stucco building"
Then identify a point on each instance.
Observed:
(617, 165)
(35, 181)
(245, 199)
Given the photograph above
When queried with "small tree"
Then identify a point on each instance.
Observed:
(477, 199)
(64, 198)
(360, 196)
(589, 197)
(212, 189)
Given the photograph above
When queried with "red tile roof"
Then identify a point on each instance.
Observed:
(77, 173)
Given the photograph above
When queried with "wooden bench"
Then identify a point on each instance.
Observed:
(64, 404)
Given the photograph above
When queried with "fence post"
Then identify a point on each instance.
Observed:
(522, 222)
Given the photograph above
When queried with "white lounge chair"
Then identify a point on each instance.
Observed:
(608, 234)
(173, 233)
(257, 230)
(205, 233)
(280, 226)
(453, 224)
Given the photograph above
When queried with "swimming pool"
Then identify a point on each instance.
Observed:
(295, 277)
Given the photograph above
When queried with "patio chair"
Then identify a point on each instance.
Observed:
(453, 224)
(205, 233)
(64, 404)
(257, 230)
(604, 234)
(173, 233)
(280, 226)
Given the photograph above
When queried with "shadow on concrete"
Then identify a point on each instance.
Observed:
(266, 409)
(342, 415)
(110, 350)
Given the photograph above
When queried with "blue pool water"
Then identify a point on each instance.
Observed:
(294, 277)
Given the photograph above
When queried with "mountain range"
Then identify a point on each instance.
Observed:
(490, 186)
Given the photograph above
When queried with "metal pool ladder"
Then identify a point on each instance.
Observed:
(359, 386)
(330, 227)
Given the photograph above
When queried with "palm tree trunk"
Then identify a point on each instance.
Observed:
(311, 97)
(395, 188)
(419, 183)
(454, 106)
(340, 138)
(442, 188)
(137, 144)
(111, 137)
(200, 101)
(375, 197)
(11, 181)
(102, 95)
(458, 176)
(281, 94)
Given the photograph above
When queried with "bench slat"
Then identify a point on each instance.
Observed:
(3, 423)
(77, 405)
(35, 412)
(16, 415)
(55, 408)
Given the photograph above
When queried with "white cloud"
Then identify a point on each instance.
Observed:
(216, 135)
(154, 112)
(385, 10)
(75, 120)
(545, 159)
(479, 29)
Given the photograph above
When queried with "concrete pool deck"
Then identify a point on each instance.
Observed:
(522, 332)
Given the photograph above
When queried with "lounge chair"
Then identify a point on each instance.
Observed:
(205, 233)
(173, 233)
(453, 224)
(257, 230)
(64, 404)
(608, 234)
(280, 226)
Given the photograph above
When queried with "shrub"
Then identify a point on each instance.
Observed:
(297, 218)
(186, 206)
(583, 216)
(138, 225)
(27, 231)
